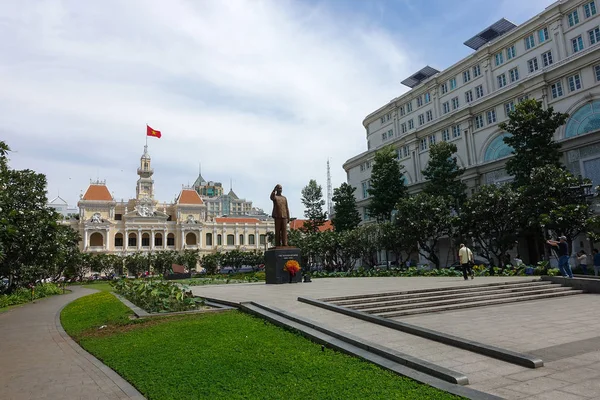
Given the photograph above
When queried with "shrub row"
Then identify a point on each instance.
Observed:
(156, 295)
(23, 295)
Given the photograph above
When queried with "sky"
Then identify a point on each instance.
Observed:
(258, 92)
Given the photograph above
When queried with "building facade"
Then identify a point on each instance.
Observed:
(219, 204)
(554, 58)
(144, 224)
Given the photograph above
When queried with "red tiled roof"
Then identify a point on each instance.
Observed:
(299, 224)
(97, 192)
(225, 220)
(189, 196)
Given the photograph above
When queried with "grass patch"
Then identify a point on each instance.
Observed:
(90, 312)
(227, 355)
(103, 286)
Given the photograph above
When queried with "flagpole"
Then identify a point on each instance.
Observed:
(146, 136)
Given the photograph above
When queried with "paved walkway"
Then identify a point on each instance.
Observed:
(38, 360)
(563, 331)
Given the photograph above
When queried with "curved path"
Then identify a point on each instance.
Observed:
(39, 360)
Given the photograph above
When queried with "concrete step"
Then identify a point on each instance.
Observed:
(478, 304)
(430, 290)
(415, 303)
(445, 295)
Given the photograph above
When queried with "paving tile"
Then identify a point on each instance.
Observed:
(556, 395)
(589, 388)
(537, 385)
(576, 375)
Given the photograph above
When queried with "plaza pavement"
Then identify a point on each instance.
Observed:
(39, 361)
(564, 332)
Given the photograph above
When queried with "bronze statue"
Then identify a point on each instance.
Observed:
(281, 214)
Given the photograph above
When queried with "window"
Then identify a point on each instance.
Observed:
(390, 134)
(423, 145)
(170, 239)
(594, 35)
(403, 127)
(158, 240)
(411, 124)
(365, 189)
(251, 239)
(589, 9)
(446, 107)
(369, 164)
(446, 135)
(455, 131)
(262, 239)
(577, 44)
(529, 42)
(409, 107)
(574, 82)
(513, 74)
(230, 240)
(511, 52)
(419, 101)
(429, 116)
(383, 136)
(388, 116)
(132, 241)
(382, 120)
(532, 65)
(491, 117)
(476, 71)
(501, 80)
(597, 72)
(118, 217)
(543, 35)
(119, 241)
(573, 18)
(468, 96)
(431, 139)
(557, 90)
(509, 107)
(427, 97)
(547, 58)
(466, 76)
(402, 112)
(209, 239)
(479, 91)
(444, 88)
(452, 83)
(362, 167)
(479, 121)
(455, 103)
(421, 119)
(405, 151)
(499, 59)
(219, 240)
(522, 98)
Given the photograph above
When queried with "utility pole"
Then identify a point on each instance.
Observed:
(329, 192)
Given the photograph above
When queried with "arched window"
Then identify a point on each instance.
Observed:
(219, 240)
(497, 149)
(241, 243)
(263, 239)
(145, 239)
(230, 240)
(191, 239)
(132, 240)
(96, 239)
(585, 120)
(251, 239)
(118, 240)
(171, 239)
(158, 239)
(209, 239)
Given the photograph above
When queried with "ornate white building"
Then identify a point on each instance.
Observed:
(144, 224)
(554, 57)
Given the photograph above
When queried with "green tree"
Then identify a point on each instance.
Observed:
(491, 218)
(345, 214)
(387, 184)
(532, 129)
(443, 173)
(398, 240)
(368, 243)
(426, 219)
(312, 198)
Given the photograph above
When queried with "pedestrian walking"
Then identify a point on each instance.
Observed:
(465, 256)
(582, 258)
(596, 262)
(563, 256)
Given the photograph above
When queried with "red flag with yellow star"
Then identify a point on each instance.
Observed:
(152, 132)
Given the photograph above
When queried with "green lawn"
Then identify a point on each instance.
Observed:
(227, 355)
(103, 286)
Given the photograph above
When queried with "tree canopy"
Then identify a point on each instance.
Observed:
(345, 214)
(443, 173)
(387, 184)
(312, 199)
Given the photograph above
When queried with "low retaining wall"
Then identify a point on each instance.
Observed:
(588, 285)
(140, 313)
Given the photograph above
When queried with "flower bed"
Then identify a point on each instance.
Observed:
(156, 295)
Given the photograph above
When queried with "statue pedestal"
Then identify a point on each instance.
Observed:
(275, 259)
